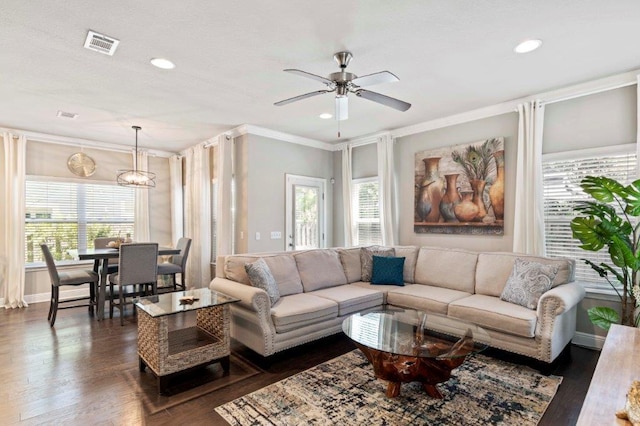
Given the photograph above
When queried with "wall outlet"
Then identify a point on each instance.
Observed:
(276, 235)
(257, 236)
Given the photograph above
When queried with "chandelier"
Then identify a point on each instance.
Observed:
(135, 177)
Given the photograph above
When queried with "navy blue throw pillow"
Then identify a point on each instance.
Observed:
(387, 270)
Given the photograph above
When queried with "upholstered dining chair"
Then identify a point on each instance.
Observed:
(137, 268)
(72, 278)
(103, 242)
(177, 264)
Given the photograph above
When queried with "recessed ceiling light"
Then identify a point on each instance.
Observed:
(163, 63)
(527, 46)
(325, 115)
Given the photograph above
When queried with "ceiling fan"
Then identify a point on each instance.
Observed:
(343, 83)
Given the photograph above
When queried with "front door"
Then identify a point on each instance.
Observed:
(305, 212)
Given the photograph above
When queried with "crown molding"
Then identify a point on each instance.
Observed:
(84, 143)
(282, 136)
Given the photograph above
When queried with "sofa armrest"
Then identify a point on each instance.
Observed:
(252, 298)
(560, 299)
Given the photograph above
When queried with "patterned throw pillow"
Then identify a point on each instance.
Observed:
(260, 276)
(366, 258)
(528, 282)
(388, 270)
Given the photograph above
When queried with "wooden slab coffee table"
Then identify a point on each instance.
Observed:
(411, 346)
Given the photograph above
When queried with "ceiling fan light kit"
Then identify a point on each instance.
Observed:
(135, 177)
(343, 83)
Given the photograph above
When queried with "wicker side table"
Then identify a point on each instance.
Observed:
(168, 352)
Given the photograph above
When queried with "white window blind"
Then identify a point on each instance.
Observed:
(562, 192)
(69, 215)
(366, 208)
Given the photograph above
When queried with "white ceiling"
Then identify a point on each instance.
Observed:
(451, 56)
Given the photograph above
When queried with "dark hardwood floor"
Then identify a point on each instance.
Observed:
(74, 373)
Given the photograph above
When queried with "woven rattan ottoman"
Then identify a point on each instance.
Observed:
(167, 352)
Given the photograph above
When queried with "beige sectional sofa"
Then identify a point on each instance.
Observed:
(320, 288)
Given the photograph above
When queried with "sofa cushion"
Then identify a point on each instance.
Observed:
(448, 268)
(492, 313)
(423, 297)
(299, 310)
(282, 266)
(494, 268)
(351, 298)
(366, 259)
(384, 289)
(350, 259)
(528, 281)
(320, 269)
(261, 277)
(387, 270)
(410, 254)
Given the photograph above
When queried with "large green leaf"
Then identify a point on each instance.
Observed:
(602, 188)
(621, 253)
(605, 213)
(603, 269)
(603, 317)
(584, 229)
(632, 198)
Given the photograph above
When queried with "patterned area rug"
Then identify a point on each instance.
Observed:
(344, 391)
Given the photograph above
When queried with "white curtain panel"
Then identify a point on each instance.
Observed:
(198, 216)
(387, 191)
(177, 212)
(141, 227)
(528, 232)
(638, 125)
(224, 215)
(347, 201)
(12, 212)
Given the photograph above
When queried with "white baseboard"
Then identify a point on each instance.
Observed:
(64, 294)
(590, 341)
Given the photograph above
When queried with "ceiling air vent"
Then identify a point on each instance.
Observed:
(64, 114)
(101, 43)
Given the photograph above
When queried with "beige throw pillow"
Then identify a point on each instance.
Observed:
(366, 258)
(528, 282)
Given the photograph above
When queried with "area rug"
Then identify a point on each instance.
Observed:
(187, 386)
(344, 391)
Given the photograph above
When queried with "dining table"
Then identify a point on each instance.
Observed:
(100, 257)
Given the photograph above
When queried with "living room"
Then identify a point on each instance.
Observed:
(212, 120)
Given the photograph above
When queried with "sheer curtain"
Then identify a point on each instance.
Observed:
(347, 178)
(175, 182)
(12, 211)
(197, 202)
(141, 227)
(387, 194)
(224, 215)
(528, 229)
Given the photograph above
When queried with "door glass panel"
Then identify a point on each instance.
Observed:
(307, 220)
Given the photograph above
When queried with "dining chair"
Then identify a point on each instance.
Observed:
(137, 267)
(72, 278)
(103, 242)
(177, 264)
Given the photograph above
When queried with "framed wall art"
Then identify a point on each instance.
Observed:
(460, 189)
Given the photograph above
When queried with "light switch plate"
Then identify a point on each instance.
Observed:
(276, 235)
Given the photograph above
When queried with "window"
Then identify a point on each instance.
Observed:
(366, 208)
(561, 181)
(68, 215)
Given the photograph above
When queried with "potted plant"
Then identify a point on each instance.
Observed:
(611, 221)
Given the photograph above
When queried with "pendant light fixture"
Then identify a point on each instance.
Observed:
(135, 177)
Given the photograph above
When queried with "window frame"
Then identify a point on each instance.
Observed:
(354, 207)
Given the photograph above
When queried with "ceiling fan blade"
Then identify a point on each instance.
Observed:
(342, 108)
(383, 99)
(311, 76)
(375, 78)
(301, 97)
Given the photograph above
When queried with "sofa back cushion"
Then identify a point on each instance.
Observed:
(448, 268)
(494, 269)
(282, 266)
(350, 259)
(410, 254)
(320, 269)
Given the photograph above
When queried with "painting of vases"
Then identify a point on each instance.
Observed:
(460, 189)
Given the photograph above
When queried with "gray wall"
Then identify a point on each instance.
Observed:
(261, 166)
(46, 159)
